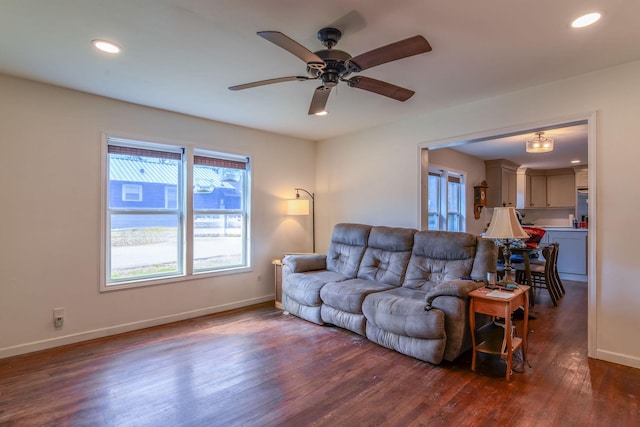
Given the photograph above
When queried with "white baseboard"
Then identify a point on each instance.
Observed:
(621, 359)
(126, 327)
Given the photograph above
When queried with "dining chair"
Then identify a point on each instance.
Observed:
(544, 275)
(556, 276)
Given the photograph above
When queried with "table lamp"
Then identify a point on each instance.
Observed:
(505, 229)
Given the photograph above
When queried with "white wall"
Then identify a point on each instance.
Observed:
(50, 215)
(372, 177)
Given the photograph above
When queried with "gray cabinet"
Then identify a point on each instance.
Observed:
(582, 178)
(536, 192)
(552, 188)
(561, 190)
(501, 178)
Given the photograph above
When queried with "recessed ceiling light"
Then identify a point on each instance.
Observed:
(321, 113)
(575, 161)
(586, 20)
(106, 46)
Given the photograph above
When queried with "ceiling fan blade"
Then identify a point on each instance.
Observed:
(319, 100)
(381, 88)
(292, 46)
(269, 81)
(391, 52)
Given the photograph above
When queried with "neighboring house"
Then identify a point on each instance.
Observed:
(150, 183)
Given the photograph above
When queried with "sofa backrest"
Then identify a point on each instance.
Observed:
(486, 258)
(387, 255)
(440, 256)
(348, 243)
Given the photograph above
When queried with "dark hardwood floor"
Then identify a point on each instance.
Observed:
(259, 367)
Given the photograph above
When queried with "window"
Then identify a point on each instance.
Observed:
(148, 213)
(218, 212)
(446, 205)
(434, 200)
(131, 193)
(171, 197)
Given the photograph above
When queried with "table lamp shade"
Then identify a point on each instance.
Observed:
(504, 225)
(298, 207)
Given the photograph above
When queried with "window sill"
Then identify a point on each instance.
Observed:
(171, 280)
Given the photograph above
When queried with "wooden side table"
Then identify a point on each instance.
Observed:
(277, 272)
(500, 304)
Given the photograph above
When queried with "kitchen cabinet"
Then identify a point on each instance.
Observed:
(582, 178)
(552, 188)
(501, 178)
(561, 190)
(536, 193)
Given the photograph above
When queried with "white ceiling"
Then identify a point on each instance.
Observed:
(181, 55)
(570, 143)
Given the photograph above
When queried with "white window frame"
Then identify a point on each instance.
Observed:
(442, 208)
(185, 208)
(221, 210)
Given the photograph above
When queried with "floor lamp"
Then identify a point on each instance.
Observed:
(505, 229)
(300, 206)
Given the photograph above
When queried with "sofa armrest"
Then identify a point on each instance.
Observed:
(455, 288)
(302, 263)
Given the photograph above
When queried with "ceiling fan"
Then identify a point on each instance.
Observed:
(332, 66)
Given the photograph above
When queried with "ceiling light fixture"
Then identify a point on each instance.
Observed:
(106, 46)
(321, 113)
(539, 144)
(575, 161)
(586, 20)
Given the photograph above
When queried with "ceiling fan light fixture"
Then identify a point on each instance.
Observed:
(539, 144)
(106, 46)
(332, 66)
(586, 20)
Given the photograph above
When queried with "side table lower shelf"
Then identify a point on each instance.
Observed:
(494, 338)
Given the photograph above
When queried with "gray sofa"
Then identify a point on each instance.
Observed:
(401, 288)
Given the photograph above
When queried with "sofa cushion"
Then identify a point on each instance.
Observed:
(387, 255)
(349, 294)
(440, 256)
(305, 287)
(348, 243)
(486, 258)
(402, 312)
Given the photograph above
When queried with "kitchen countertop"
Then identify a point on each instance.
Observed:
(559, 228)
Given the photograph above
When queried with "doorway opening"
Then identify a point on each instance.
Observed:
(573, 136)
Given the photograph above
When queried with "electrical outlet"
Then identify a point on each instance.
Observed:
(58, 317)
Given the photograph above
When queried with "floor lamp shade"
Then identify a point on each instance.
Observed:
(298, 207)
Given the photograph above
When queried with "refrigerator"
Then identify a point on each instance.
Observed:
(582, 205)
